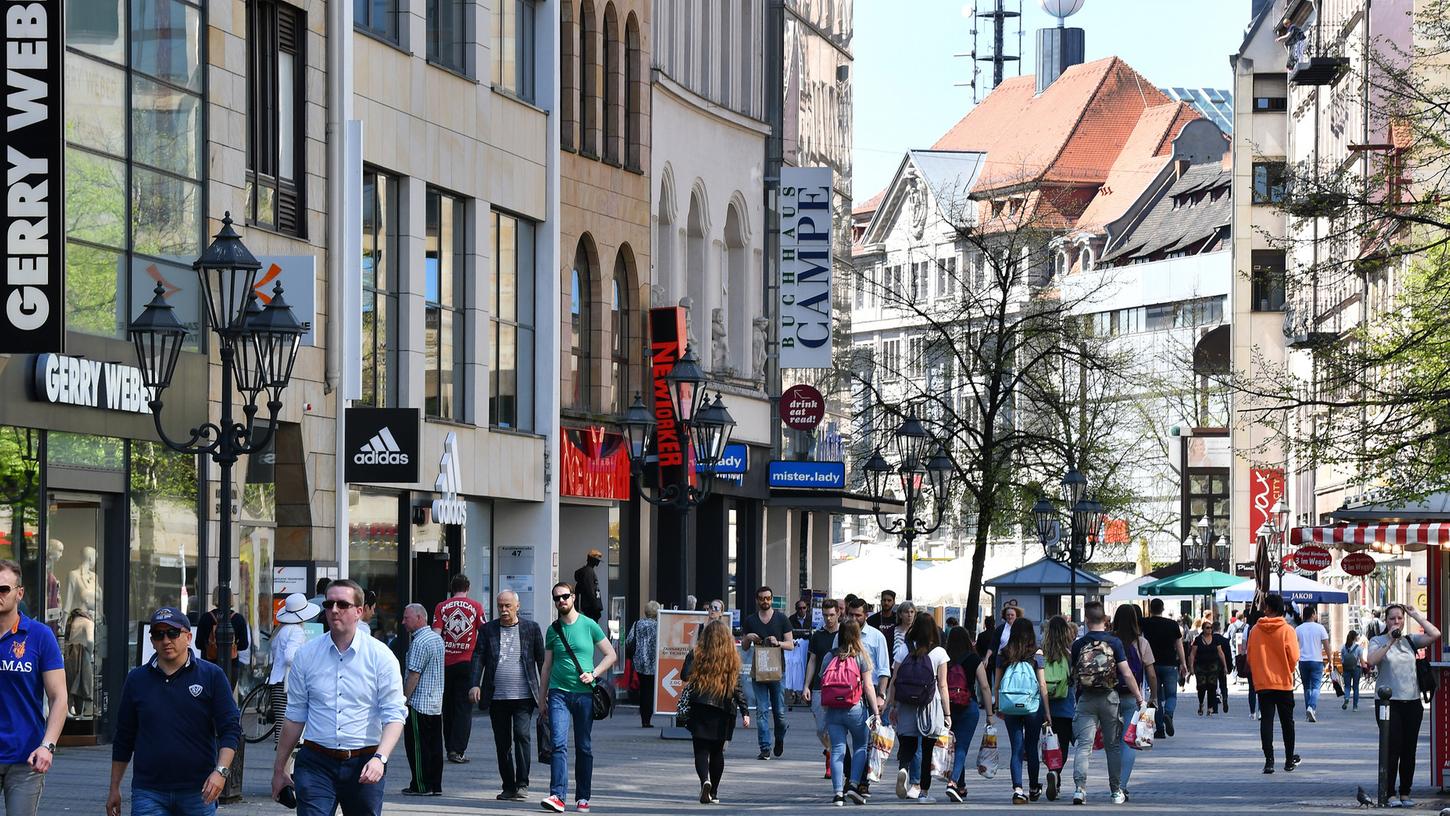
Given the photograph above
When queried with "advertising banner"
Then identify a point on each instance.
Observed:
(820, 475)
(804, 306)
(596, 464)
(671, 447)
(381, 445)
(1266, 487)
(677, 632)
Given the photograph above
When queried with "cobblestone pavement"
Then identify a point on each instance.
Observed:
(1213, 765)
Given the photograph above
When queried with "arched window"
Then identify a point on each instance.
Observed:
(613, 85)
(619, 313)
(738, 291)
(588, 80)
(633, 110)
(581, 350)
(568, 77)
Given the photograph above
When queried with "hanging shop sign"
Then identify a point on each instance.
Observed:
(1312, 558)
(732, 465)
(1266, 487)
(804, 305)
(449, 508)
(817, 475)
(671, 445)
(66, 380)
(382, 445)
(802, 407)
(33, 293)
(1358, 564)
(595, 463)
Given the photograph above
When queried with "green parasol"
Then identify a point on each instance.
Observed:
(1197, 582)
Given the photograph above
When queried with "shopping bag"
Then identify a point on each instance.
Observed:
(987, 755)
(1139, 735)
(1098, 741)
(629, 680)
(883, 741)
(1051, 751)
(543, 738)
(1338, 680)
(944, 755)
(769, 664)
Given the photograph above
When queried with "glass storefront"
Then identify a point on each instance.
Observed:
(373, 554)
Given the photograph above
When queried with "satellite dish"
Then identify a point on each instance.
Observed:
(1061, 9)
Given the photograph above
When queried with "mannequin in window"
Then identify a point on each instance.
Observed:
(53, 610)
(80, 634)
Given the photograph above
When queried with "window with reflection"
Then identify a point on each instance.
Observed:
(619, 335)
(513, 47)
(443, 278)
(511, 373)
(20, 519)
(276, 95)
(379, 288)
(377, 17)
(580, 323)
(448, 34)
(164, 535)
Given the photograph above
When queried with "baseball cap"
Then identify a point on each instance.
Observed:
(171, 616)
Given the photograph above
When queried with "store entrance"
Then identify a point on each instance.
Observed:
(83, 538)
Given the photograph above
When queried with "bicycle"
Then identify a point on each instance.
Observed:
(258, 721)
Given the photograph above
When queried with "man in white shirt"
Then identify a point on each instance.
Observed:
(345, 693)
(1313, 655)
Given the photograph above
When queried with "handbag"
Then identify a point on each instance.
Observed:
(544, 738)
(683, 706)
(603, 699)
(1427, 678)
(629, 681)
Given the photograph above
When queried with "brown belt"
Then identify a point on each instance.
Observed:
(338, 753)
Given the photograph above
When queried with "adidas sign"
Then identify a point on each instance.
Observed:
(382, 449)
(450, 509)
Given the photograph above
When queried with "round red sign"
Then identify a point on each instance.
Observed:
(1312, 558)
(1357, 564)
(802, 407)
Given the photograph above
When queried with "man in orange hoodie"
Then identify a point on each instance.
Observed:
(1273, 654)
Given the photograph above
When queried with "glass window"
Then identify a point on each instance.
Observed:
(165, 42)
(373, 554)
(447, 34)
(377, 17)
(619, 331)
(164, 530)
(1270, 182)
(513, 48)
(581, 328)
(444, 274)
(276, 127)
(511, 375)
(1268, 280)
(20, 520)
(379, 289)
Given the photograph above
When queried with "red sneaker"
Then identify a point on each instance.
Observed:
(553, 803)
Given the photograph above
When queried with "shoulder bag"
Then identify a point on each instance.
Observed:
(603, 700)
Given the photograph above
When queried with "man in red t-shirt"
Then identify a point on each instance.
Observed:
(458, 620)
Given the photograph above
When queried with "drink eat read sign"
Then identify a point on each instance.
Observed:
(802, 407)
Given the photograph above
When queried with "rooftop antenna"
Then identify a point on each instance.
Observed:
(999, 15)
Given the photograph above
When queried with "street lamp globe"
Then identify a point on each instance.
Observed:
(639, 425)
(277, 336)
(911, 444)
(939, 471)
(158, 337)
(686, 381)
(1045, 515)
(1074, 487)
(711, 432)
(877, 470)
(227, 271)
(250, 372)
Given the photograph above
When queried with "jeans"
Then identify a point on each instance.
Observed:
(169, 803)
(1282, 703)
(1167, 691)
(1127, 707)
(512, 722)
(1351, 687)
(964, 727)
(576, 707)
(1405, 719)
(457, 708)
(840, 724)
(21, 786)
(1097, 709)
(1312, 673)
(324, 783)
(1024, 731)
(423, 743)
(769, 699)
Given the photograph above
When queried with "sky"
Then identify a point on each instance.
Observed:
(904, 76)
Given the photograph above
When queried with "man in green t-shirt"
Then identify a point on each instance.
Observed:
(569, 675)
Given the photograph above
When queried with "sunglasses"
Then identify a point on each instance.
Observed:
(344, 605)
(5, 589)
(566, 596)
(165, 634)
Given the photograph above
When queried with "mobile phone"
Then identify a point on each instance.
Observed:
(287, 797)
(1395, 634)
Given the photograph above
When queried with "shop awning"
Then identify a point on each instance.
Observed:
(1197, 582)
(1383, 537)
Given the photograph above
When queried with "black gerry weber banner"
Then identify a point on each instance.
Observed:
(32, 297)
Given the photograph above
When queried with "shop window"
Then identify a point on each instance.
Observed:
(511, 373)
(377, 17)
(513, 48)
(19, 514)
(379, 289)
(443, 332)
(164, 532)
(581, 328)
(276, 149)
(373, 554)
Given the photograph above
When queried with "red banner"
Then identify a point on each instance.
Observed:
(1115, 531)
(595, 464)
(1266, 487)
(667, 345)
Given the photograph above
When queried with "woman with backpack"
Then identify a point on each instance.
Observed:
(848, 700)
(964, 668)
(712, 675)
(918, 689)
(1022, 704)
(1350, 657)
(1061, 701)
(1140, 660)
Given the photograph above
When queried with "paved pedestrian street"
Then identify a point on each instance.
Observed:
(1213, 765)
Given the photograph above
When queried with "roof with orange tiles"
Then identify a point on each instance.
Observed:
(869, 205)
(1148, 149)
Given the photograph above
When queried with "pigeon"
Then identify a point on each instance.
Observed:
(1363, 798)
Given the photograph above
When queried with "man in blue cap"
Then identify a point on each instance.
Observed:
(178, 719)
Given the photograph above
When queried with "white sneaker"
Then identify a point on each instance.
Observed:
(1310, 713)
(1119, 798)
(1406, 801)
(913, 792)
(1079, 797)
(926, 799)
(903, 782)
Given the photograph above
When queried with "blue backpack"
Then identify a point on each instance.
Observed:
(1019, 693)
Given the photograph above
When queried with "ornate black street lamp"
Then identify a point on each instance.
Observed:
(1085, 522)
(258, 347)
(1273, 529)
(707, 426)
(919, 473)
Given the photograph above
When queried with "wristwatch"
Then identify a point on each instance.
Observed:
(226, 773)
(49, 746)
(381, 758)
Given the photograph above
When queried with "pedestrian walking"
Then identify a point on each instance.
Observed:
(1394, 652)
(569, 673)
(639, 648)
(968, 689)
(206, 628)
(849, 699)
(1273, 654)
(1375, 627)
(998, 641)
(511, 656)
(984, 637)
(884, 619)
(346, 692)
(423, 689)
(32, 672)
(1313, 657)
(1061, 696)
(819, 648)
(1100, 671)
(919, 694)
(1127, 626)
(586, 587)
(874, 641)
(287, 638)
(1227, 648)
(1205, 662)
(802, 617)
(1351, 658)
(1022, 705)
(458, 620)
(712, 675)
(767, 628)
(178, 721)
(1165, 638)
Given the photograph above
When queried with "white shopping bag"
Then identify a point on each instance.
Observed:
(883, 740)
(987, 754)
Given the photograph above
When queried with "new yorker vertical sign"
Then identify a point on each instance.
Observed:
(804, 305)
(32, 297)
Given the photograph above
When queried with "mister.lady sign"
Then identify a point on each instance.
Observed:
(805, 267)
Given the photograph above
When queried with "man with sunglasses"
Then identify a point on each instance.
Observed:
(569, 674)
(30, 664)
(345, 693)
(178, 720)
(766, 628)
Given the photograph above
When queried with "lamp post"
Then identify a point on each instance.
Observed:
(917, 473)
(706, 424)
(1085, 521)
(1277, 523)
(258, 347)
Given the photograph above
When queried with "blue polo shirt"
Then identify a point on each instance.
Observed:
(175, 724)
(27, 651)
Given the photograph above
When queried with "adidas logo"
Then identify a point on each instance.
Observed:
(449, 509)
(382, 449)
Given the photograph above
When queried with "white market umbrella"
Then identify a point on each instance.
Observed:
(877, 569)
(944, 582)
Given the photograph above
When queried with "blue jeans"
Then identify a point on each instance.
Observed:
(1127, 708)
(1167, 691)
(170, 803)
(841, 723)
(324, 783)
(1312, 673)
(1351, 687)
(769, 700)
(574, 708)
(964, 727)
(1024, 731)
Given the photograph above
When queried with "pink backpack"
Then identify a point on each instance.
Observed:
(841, 683)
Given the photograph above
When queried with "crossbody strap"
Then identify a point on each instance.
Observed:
(559, 630)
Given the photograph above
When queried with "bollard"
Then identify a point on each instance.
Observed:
(1382, 717)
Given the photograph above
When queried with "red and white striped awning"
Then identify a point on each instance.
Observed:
(1381, 537)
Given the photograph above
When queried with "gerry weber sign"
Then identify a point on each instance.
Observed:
(805, 267)
(66, 380)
